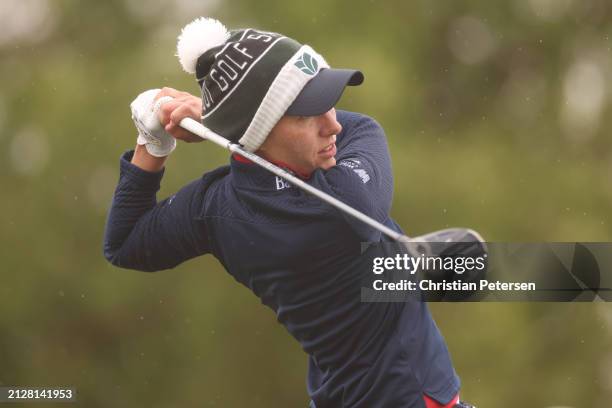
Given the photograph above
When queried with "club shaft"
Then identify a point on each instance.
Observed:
(207, 134)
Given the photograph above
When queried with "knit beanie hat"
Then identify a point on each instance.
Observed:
(250, 78)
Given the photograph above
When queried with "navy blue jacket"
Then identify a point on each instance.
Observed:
(301, 257)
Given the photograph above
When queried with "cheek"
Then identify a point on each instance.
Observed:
(304, 147)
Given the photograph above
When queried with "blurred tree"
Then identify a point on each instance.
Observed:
(497, 116)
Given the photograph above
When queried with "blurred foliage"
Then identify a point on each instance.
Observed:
(498, 118)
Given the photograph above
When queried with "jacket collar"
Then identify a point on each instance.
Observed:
(246, 174)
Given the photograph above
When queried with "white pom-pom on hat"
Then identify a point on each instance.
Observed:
(196, 38)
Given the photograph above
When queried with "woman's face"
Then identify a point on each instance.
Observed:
(303, 143)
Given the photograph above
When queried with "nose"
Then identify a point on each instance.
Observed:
(329, 124)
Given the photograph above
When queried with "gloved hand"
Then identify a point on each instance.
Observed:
(151, 133)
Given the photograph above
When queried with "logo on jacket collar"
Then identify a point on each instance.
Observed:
(281, 184)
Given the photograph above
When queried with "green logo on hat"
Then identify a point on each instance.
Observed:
(307, 64)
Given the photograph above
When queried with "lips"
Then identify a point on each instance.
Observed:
(328, 151)
(329, 147)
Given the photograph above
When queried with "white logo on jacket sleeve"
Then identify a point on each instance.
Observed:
(365, 177)
(355, 165)
(350, 163)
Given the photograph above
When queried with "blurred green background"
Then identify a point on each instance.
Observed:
(498, 117)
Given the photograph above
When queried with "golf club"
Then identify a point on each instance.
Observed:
(416, 246)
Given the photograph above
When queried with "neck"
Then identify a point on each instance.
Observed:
(287, 166)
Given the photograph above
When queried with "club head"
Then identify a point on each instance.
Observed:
(449, 243)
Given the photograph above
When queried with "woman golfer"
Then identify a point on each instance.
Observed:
(299, 255)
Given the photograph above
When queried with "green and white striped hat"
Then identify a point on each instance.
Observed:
(251, 78)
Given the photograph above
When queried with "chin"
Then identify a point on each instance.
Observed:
(328, 164)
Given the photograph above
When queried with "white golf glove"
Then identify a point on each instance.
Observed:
(151, 133)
